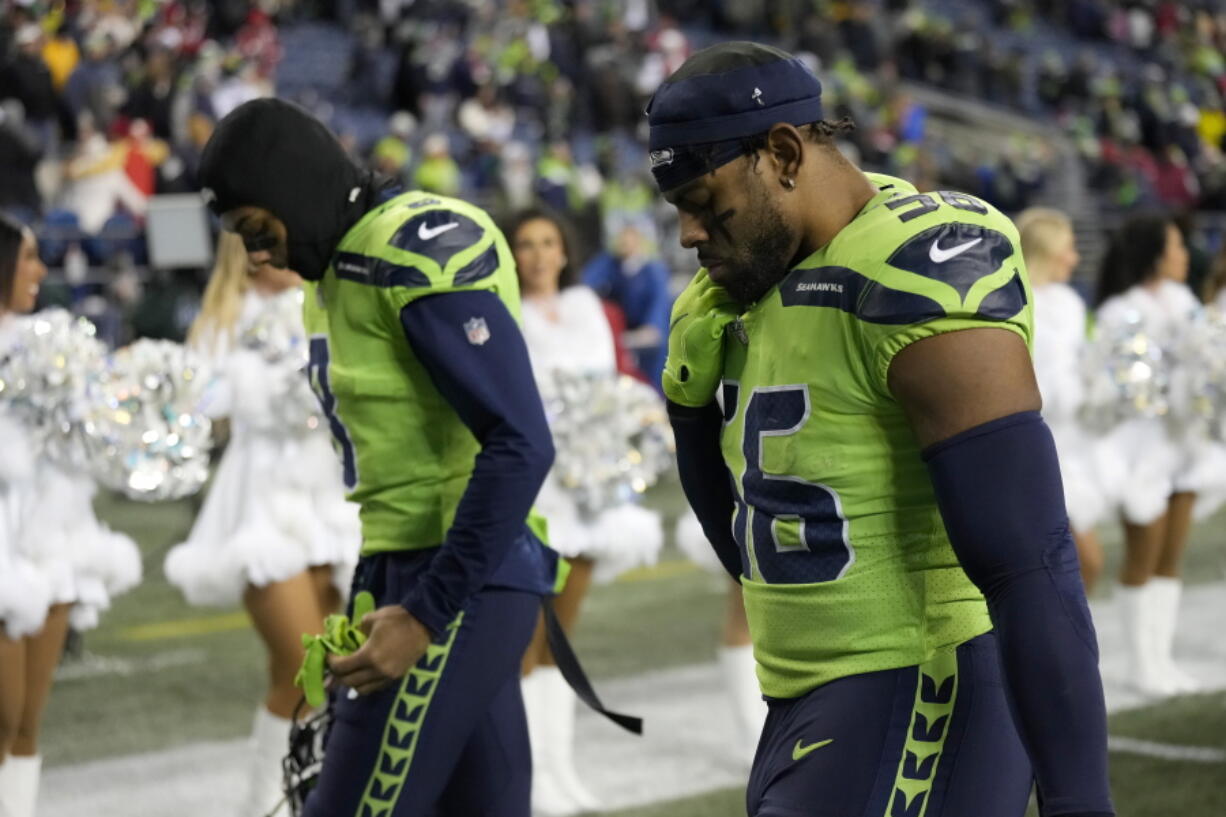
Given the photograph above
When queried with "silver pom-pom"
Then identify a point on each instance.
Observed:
(1127, 377)
(1202, 386)
(148, 437)
(44, 380)
(277, 336)
(612, 438)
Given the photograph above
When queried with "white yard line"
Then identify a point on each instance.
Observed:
(1166, 751)
(683, 753)
(93, 666)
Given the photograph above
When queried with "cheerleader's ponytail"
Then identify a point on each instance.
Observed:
(223, 296)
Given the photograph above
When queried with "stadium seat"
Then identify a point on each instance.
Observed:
(60, 228)
(121, 233)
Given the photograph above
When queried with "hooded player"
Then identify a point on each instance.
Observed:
(894, 513)
(412, 310)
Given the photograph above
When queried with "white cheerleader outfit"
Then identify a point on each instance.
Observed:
(53, 549)
(1209, 467)
(1059, 341)
(25, 592)
(580, 341)
(1143, 461)
(277, 503)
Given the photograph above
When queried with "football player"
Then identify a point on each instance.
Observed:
(412, 309)
(877, 474)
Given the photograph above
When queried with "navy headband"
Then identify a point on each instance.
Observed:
(735, 105)
(673, 167)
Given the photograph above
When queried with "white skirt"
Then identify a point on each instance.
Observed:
(618, 539)
(1084, 497)
(53, 549)
(276, 507)
(1137, 465)
(60, 553)
(25, 593)
(1204, 474)
(692, 541)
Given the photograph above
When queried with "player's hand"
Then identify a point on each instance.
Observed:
(395, 641)
(696, 342)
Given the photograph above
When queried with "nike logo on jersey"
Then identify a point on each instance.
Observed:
(940, 256)
(426, 233)
(800, 750)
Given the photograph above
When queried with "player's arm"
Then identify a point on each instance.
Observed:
(972, 401)
(704, 477)
(692, 373)
(490, 386)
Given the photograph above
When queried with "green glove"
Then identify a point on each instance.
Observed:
(696, 342)
(340, 637)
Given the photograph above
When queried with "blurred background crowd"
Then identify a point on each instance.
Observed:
(1097, 106)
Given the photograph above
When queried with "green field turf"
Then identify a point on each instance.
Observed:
(177, 674)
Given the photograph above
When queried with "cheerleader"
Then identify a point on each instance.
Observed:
(1215, 285)
(736, 662)
(566, 331)
(1060, 335)
(59, 566)
(1211, 465)
(275, 530)
(1142, 278)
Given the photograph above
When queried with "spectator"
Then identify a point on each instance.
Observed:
(392, 154)
(438, 171)
(240, 83)
(27, 79)
(633, 278)
(95, 86)
(20, 151)
(61, 55)
(518, 178)
(153, 97)
(144, 153)
(558, 179)
(97, 183)
(487, 120)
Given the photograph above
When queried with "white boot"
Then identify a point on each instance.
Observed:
(559, 706)
(548, 797)
(744, 696)
(6, 789)
(1166, 593)
(19, 785)
(269, 744)
(1137, 610)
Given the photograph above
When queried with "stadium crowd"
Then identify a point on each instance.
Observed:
(108, 103)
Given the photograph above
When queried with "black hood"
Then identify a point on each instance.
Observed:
(273, 154)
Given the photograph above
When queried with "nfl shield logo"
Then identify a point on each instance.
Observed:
(477, 330)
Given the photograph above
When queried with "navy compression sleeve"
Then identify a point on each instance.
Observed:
(490, 386)
(704, 477)
(999, 490)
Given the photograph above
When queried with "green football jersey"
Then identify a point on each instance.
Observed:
(406, 455)
(847, 566)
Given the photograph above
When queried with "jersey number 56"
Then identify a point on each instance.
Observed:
(796, 528)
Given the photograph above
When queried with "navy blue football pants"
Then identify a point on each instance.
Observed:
(451, 738)
(936, 740)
